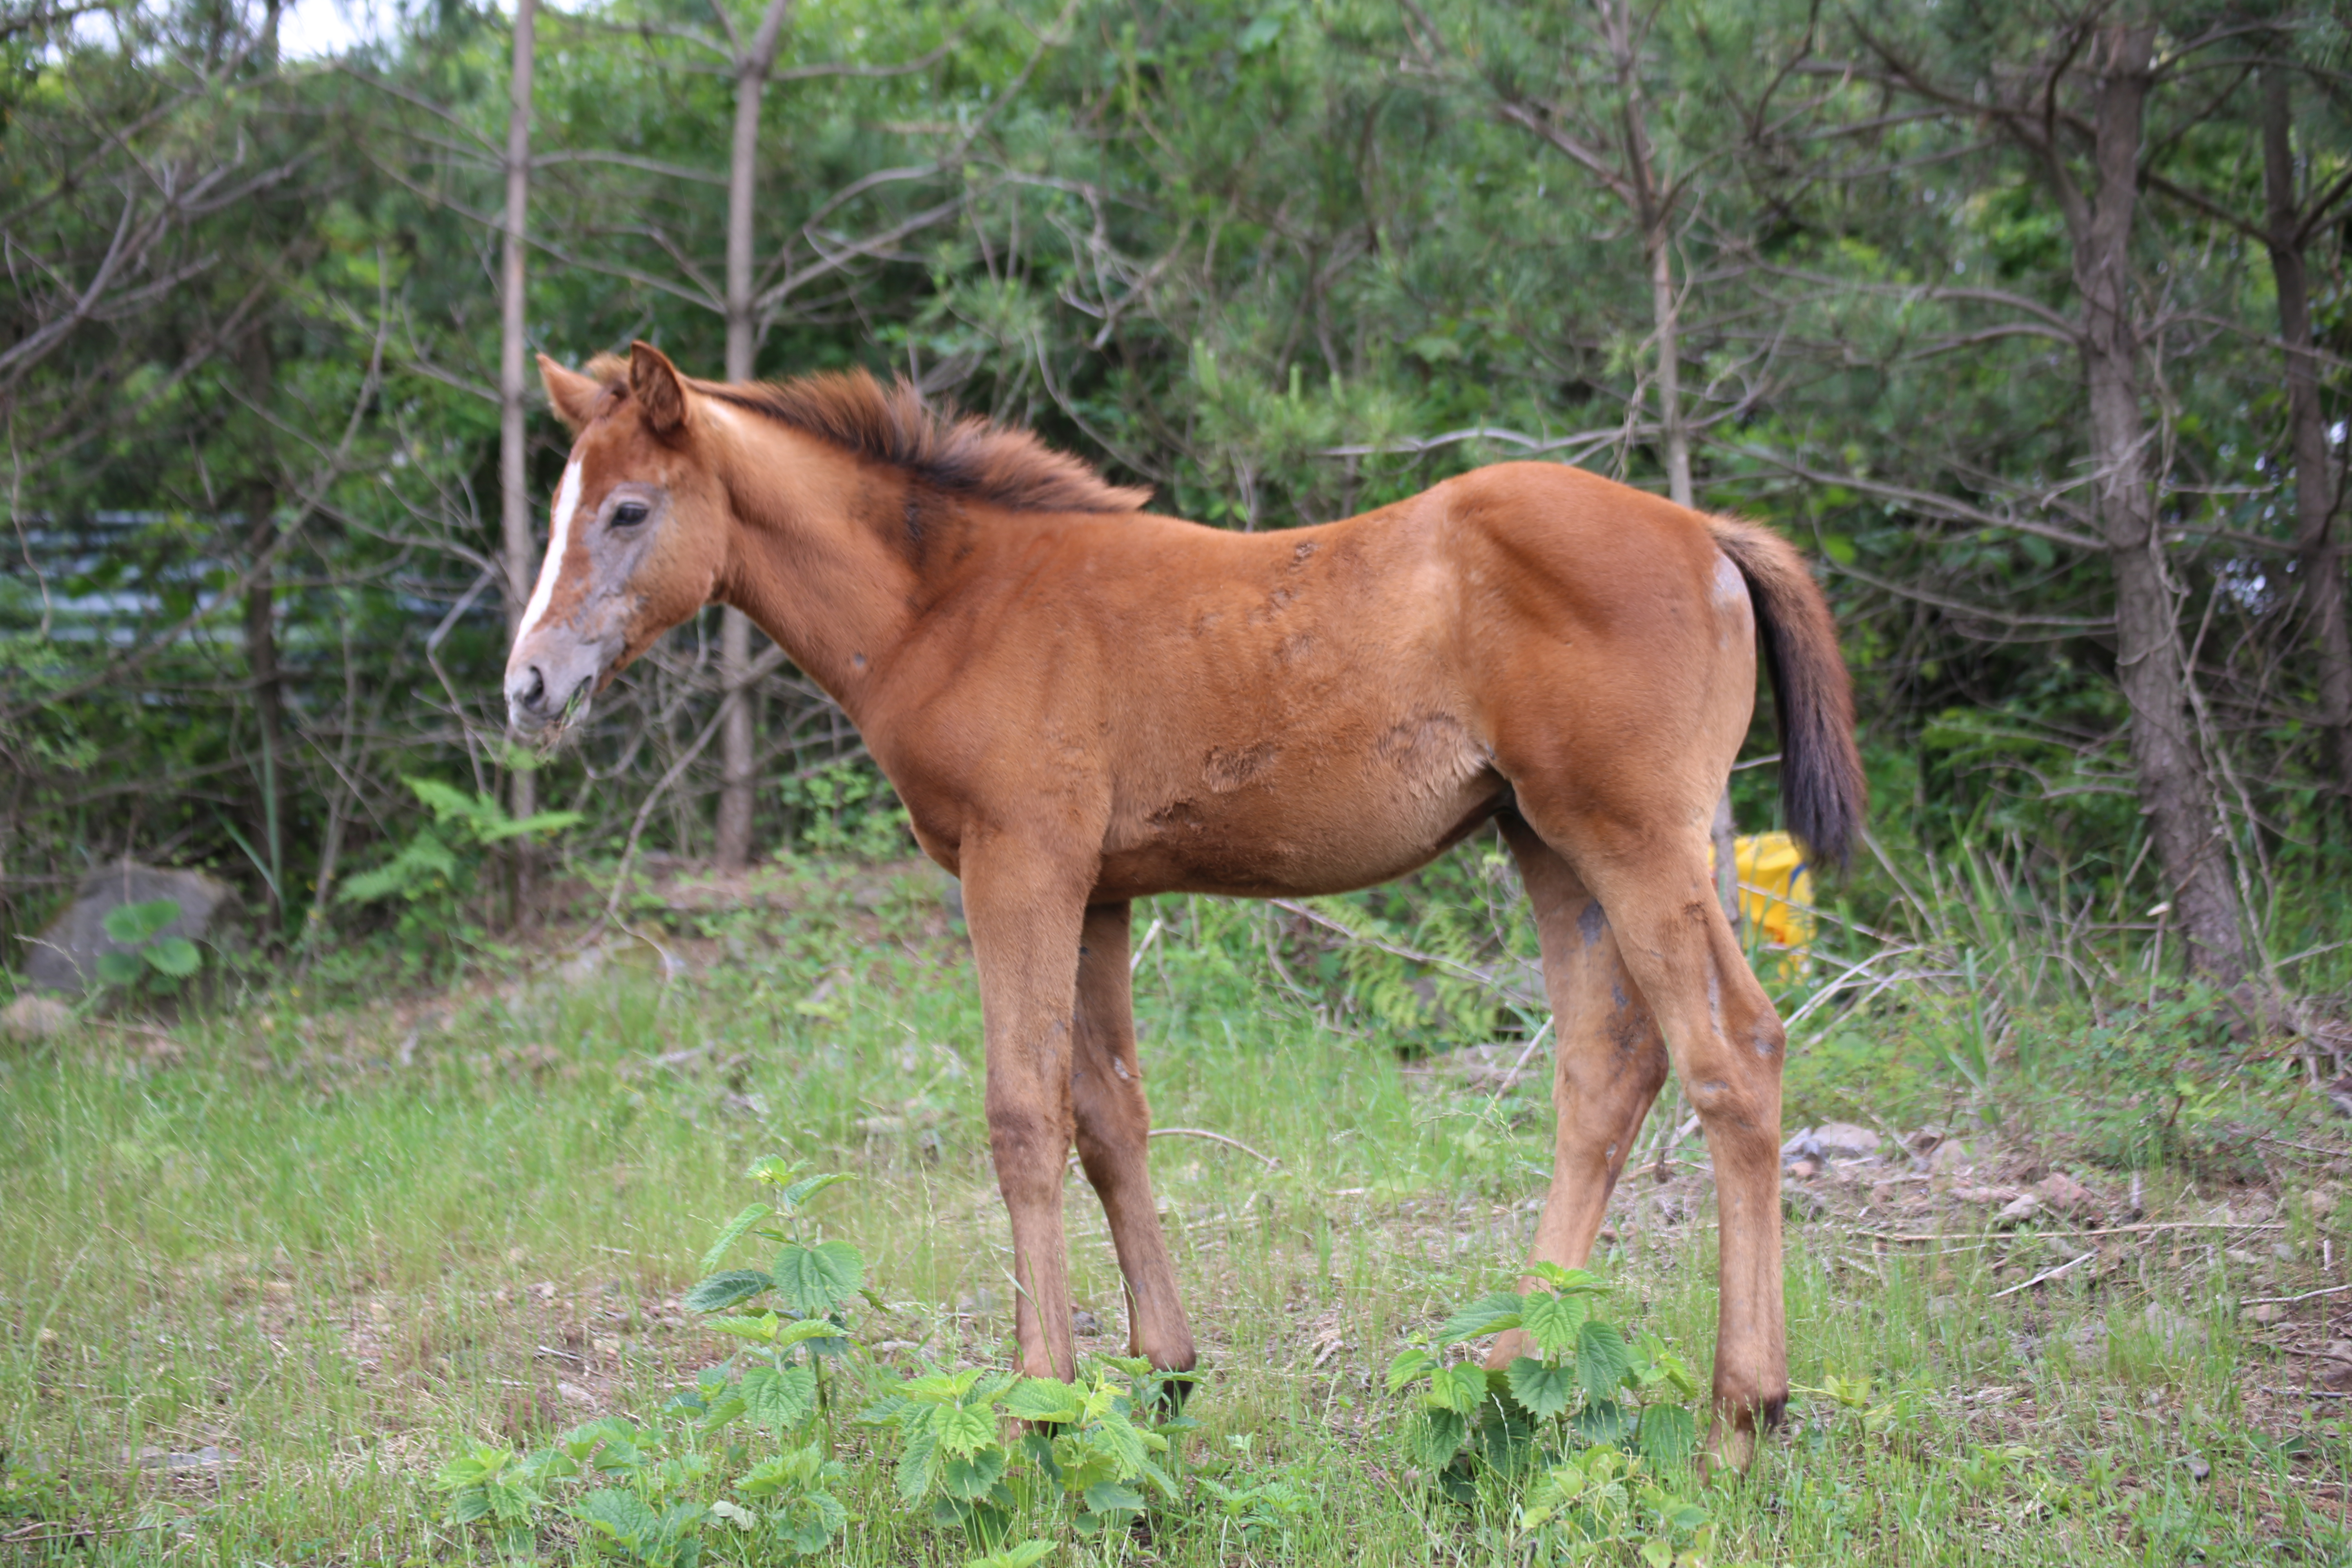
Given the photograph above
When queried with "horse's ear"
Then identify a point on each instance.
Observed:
(571, 394)
(657, 388)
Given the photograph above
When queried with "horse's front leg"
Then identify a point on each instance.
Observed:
(1114, 1126)
(1025, 911)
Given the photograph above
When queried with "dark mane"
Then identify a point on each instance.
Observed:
(962, 454)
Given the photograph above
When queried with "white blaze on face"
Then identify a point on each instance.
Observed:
(558, 541)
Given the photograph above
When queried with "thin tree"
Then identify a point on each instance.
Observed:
(2319, 561)
(514, 484)
(1609, 139)
(2289, 222)
(754, 61)
(2090, 165)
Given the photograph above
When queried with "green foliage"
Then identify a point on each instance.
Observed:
(159, 962)
(847, 809)
(434, 874)
(1603, 1424)
(680, 1477)
(441, 859)
(1096, 1446)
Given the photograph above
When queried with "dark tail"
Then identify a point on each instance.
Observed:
(1821, 787)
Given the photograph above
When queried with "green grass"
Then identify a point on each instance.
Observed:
(332, 1239)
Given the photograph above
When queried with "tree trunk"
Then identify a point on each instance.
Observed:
(737, 763)
(2175, 792)
(269, 692)
(2318, 560)
(263, 678)
(514, 484)
(1657, 225)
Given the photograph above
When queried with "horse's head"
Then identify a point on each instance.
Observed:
(637, 544)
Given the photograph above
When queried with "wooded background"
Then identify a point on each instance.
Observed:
(2027, 321)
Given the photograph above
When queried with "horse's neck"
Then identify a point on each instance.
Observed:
(830, 584)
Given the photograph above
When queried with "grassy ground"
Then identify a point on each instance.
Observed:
(260, 1272)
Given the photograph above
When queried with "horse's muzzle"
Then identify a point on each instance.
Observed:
(545, 695)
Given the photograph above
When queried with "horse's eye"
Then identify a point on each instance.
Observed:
(628, 514)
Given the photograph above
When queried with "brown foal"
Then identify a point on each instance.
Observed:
(1081, 704)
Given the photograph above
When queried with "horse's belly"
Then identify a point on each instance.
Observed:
(1284, 818)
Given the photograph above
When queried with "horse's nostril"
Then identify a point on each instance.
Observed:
(535, 694)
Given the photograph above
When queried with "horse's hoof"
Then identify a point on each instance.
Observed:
(1729, 1448)
(1175, 1388)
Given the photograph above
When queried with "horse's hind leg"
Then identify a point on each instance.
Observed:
(1114, 1128)
(1726, 1045)
(1610, 1059)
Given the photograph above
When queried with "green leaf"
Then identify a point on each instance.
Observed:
(970, 1477)
(619, 1514)
(1488, 1315)
(1461, 1387)
(409, 873)
(807, 1328)
(1602, 1359)
(120, 968)
(759, 1329)
(1668, 1434)
(732, 1232)
(1552, 1320)
(449, 804)
(1113, 1497)
(1045, 1399)
(1568, 1282)
(1261, 33)
(1411, 1365)
(543, 821)
(796, 1195)
(778, 1401)
(920, 1460)
(1545, 1391)
(814, 1280)
(1113, 1434)
(963, 1429)
(176, 956)
(1025, 1554)
(131, 924)
(723, 1290)
(1435, 1438)
(1602, 1421)
(810, 1522)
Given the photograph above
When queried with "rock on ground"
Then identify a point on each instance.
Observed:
(64, 956)
(1847, 1139)
(30, 1017)
(2063, 1194)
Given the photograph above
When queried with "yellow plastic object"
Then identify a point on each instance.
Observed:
(1776, 895)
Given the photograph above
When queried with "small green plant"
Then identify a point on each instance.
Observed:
(437, 866)
(500, 1488)
(668, 1483)
(1586, 1384)
(152, 959)
(777, 1380)
(1093, 1446)
(846, 808)
(1599, 1503)
(1256, 1513)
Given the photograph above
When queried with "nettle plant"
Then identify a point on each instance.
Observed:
(1601, 1422)
(742, 1463)
(744, 1455)
(148, 956)
(1090, 1446)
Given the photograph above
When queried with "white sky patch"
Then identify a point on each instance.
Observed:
(558, 541)
(320, 29)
